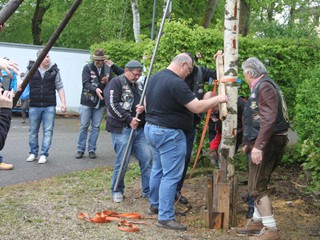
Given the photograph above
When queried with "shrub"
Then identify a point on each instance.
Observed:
(307, 123)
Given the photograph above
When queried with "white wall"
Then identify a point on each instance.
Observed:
(69, 61)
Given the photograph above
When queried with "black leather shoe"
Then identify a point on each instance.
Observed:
(249, 214)
(152, 211)
(171, 224)
(92, 155)
(79, 155)
(181, 198)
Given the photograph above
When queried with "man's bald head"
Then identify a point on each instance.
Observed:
(182, 65)
(183, 57)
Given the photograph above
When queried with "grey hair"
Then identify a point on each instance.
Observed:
(183, 57)
(254, 66)
(39, 52)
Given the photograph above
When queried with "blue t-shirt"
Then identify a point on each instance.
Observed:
(166, 95)
(13, 84)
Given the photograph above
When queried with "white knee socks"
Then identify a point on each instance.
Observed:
(269, 222)
(256, 215)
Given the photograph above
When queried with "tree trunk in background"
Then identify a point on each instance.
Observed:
(169, 10)
(270, 11)
(41, 8)
(136, 19)
(229, 125)
(244, 20)
(210, 9)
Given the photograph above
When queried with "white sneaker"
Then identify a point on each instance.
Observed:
(42, 159)
(117, 197)
(31, 158)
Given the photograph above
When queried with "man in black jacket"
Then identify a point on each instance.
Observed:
(122, 96)
(5, 119)
(95, 76)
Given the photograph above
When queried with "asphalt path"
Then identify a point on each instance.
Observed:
(61, 158)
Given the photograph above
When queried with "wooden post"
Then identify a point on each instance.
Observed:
(224, 203)
(8, 10)
(210, 200)
(234, 220)
(222, 87)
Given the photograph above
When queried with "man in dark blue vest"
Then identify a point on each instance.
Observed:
(265, 137)
(42, 107)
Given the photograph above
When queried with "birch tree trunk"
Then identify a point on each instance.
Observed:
(229, 125)
(136, 19)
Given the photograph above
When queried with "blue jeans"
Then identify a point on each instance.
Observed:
(190, 140)
(36, 116)
(1, 158)
(140, 149)
(87, 115)
(169, 150)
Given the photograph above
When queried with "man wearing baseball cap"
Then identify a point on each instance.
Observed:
(122, 97)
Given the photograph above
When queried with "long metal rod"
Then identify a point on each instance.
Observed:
(125, 157)
(8, 10)
(46, 49)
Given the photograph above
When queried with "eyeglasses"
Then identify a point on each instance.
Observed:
(189, 68)
(136, 74)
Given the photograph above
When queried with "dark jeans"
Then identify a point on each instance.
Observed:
(259, 175)
(24, 108)
(190, 139)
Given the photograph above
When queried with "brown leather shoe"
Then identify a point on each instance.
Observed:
(6, 166)
(251, 228)
(267, 234)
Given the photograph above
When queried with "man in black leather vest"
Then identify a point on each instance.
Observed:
(264, 137)
(95, 77)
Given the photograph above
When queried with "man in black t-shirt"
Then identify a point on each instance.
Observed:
(170, 105)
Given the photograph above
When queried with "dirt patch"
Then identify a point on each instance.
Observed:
(48, 209)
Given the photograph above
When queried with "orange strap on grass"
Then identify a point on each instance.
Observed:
(109, 216)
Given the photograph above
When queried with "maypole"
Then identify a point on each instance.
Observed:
(221, 204)
(229, 125)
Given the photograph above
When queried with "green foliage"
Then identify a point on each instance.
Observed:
(240, 161)
(292, 155)
(121, 52)
(311, 165)
(307, 122)
(285, 60)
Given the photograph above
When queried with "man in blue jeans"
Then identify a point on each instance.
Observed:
(122, 97)
(95, 77)
(42, 106)
(170, 105)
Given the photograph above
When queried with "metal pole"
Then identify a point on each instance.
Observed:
(153, 18)
(8, 10)
(124, 160)
(46, 49)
